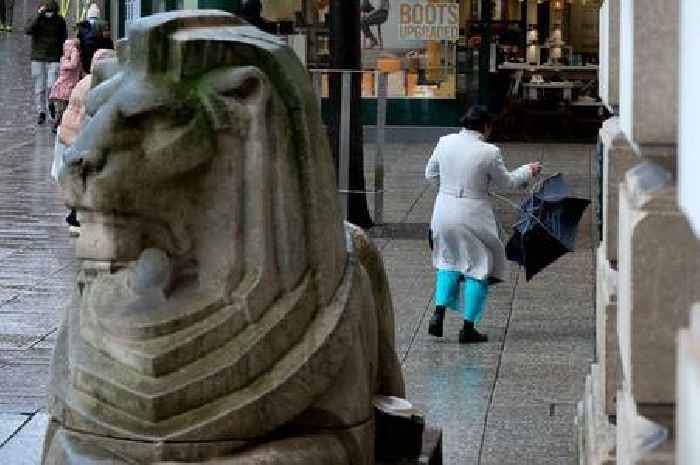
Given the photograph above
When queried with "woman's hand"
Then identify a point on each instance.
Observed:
(535, 168)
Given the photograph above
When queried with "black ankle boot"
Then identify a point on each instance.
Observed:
(72, 218)
(469, 335)
(435, 325)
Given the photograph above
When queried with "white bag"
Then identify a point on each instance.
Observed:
(58, 150)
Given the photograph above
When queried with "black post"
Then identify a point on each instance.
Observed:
(346, 53)
(485, 52)
(524, 24)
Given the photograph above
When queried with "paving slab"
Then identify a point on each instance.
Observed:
(10, 424)
(25, 447)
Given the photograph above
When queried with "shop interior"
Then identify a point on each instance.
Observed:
(523, 58)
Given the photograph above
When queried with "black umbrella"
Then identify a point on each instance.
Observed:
(547, 226)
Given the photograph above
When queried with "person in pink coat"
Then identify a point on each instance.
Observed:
(71, 124)
(69, 74)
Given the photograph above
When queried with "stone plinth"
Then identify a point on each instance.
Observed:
(688, 390)
(659, 264)
(609, 71)
(606, 330)
(648, 70)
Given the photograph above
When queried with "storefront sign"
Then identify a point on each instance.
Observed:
(428, 21)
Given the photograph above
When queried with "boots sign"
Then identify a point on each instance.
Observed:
(421, 20)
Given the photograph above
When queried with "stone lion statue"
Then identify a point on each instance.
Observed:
(224, 313)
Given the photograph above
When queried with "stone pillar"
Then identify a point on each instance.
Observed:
(609, 72)
(659, 263)
(606, 331)
(618, 157)
(648, 71)
(688, 392)
(688, 362)
(657, 255)
(689, 112)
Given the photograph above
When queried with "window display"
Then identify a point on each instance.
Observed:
(415, 42)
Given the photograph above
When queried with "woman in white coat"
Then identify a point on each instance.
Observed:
(466, 245)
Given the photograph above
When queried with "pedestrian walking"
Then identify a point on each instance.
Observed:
(93, 34)
(466, 244)
(48, 31)
(70, 126)
(68, 76)
(7, 9)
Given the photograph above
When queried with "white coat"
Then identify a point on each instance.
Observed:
(465, 233)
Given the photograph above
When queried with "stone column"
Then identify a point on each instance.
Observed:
(688, 361)
(659, 262)
(688, 392)
(618, 157)
(606, 332)
(648, 71)
(609, 72)
(689, 112)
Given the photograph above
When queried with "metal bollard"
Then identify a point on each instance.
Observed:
(379, 157)
(344, 161)
(344, 150)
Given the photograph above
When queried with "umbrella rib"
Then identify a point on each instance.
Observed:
(522, 210)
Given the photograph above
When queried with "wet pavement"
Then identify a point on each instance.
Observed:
(508, 401)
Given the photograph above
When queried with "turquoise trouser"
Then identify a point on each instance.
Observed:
(447, 293)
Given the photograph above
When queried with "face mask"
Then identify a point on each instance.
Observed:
(48, 14)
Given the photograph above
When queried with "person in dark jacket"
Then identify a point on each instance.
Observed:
(93, 34)
(48, 31)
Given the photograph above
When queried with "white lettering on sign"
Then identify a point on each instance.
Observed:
(429, 21)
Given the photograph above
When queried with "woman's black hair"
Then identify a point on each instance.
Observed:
(476, 118)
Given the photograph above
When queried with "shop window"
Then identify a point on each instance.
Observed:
(414, 41)
(132, 10)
